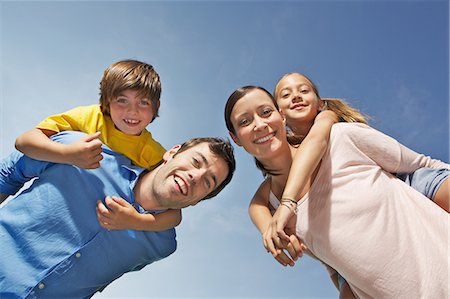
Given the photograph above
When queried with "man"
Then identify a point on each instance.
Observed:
(51, 243)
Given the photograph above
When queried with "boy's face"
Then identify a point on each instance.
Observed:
(130, 113)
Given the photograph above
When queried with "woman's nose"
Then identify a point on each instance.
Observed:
(259, 123)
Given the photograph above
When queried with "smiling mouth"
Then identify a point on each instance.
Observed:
(131, 121)
(298, 107)
(265, 138)
(181, 184)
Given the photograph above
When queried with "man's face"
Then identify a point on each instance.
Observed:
(186, 178)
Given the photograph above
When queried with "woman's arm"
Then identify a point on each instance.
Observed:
(85, 153)
(309, 154)
(120, 214)
(261, 215)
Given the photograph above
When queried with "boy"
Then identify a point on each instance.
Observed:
(129, 101)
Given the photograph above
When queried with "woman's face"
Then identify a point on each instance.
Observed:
(258, 125)
(297, 100)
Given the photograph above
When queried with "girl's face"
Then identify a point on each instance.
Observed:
(297, 100)
(130, 113)
(259, 126)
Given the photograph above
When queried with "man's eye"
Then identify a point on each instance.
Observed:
(195, 163)
(207, 183)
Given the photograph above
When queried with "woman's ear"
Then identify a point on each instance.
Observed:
(235, 139)
(169, 154)
(283, 116)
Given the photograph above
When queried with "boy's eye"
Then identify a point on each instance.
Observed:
(207, 183)
(144, 103)
(121, 100)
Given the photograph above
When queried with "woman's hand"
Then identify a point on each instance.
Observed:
(275, 238)
(291, 250)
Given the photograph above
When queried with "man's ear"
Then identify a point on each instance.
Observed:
(169, 154)
(235, 139)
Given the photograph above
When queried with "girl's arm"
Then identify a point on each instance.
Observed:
(84, 153)
(120, 214)
(309, 154)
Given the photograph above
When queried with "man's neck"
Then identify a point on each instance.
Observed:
(143, 192)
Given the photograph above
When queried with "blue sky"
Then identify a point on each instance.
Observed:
(389, 59)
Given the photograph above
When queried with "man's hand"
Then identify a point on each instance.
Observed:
(86, 152)
(119, 214)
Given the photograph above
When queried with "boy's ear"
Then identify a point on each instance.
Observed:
(169, 154)
(235, 139)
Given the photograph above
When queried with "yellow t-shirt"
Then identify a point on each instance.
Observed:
(143, 150)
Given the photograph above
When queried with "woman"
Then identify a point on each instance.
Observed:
(355, 216)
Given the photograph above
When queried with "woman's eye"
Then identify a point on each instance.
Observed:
(243, 122)
(267, 112)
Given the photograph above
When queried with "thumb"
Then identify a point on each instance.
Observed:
(91, 137)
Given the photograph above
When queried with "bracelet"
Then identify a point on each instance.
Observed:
(290, 207)
(287, 199)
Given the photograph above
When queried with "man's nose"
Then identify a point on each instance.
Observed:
(196, 175)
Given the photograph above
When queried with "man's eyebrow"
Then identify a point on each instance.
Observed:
(207, 164)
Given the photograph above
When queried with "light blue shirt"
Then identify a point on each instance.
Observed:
(51, 244)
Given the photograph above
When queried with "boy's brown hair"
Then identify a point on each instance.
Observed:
(130, 74)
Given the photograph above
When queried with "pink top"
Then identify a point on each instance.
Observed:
(385, 238)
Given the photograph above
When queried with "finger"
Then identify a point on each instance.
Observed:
(271, 246)
(292, 251)
(296, 247)
(120, 201)
(91, 137)
(111, 204)
(283, 259)
(103, 210)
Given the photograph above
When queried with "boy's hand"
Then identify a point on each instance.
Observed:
(119, 214)
(86, 152)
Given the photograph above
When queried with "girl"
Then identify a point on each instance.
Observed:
(348, 200)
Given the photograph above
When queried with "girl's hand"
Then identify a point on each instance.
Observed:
(119, 214)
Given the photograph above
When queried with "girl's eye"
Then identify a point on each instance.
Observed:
(285, 95)
(304, 91)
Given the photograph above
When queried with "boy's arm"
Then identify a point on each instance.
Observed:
(84, 153)
(120, 214)
(309, 154)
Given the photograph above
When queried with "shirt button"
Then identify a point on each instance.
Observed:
(78, 255)
(41, 286)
